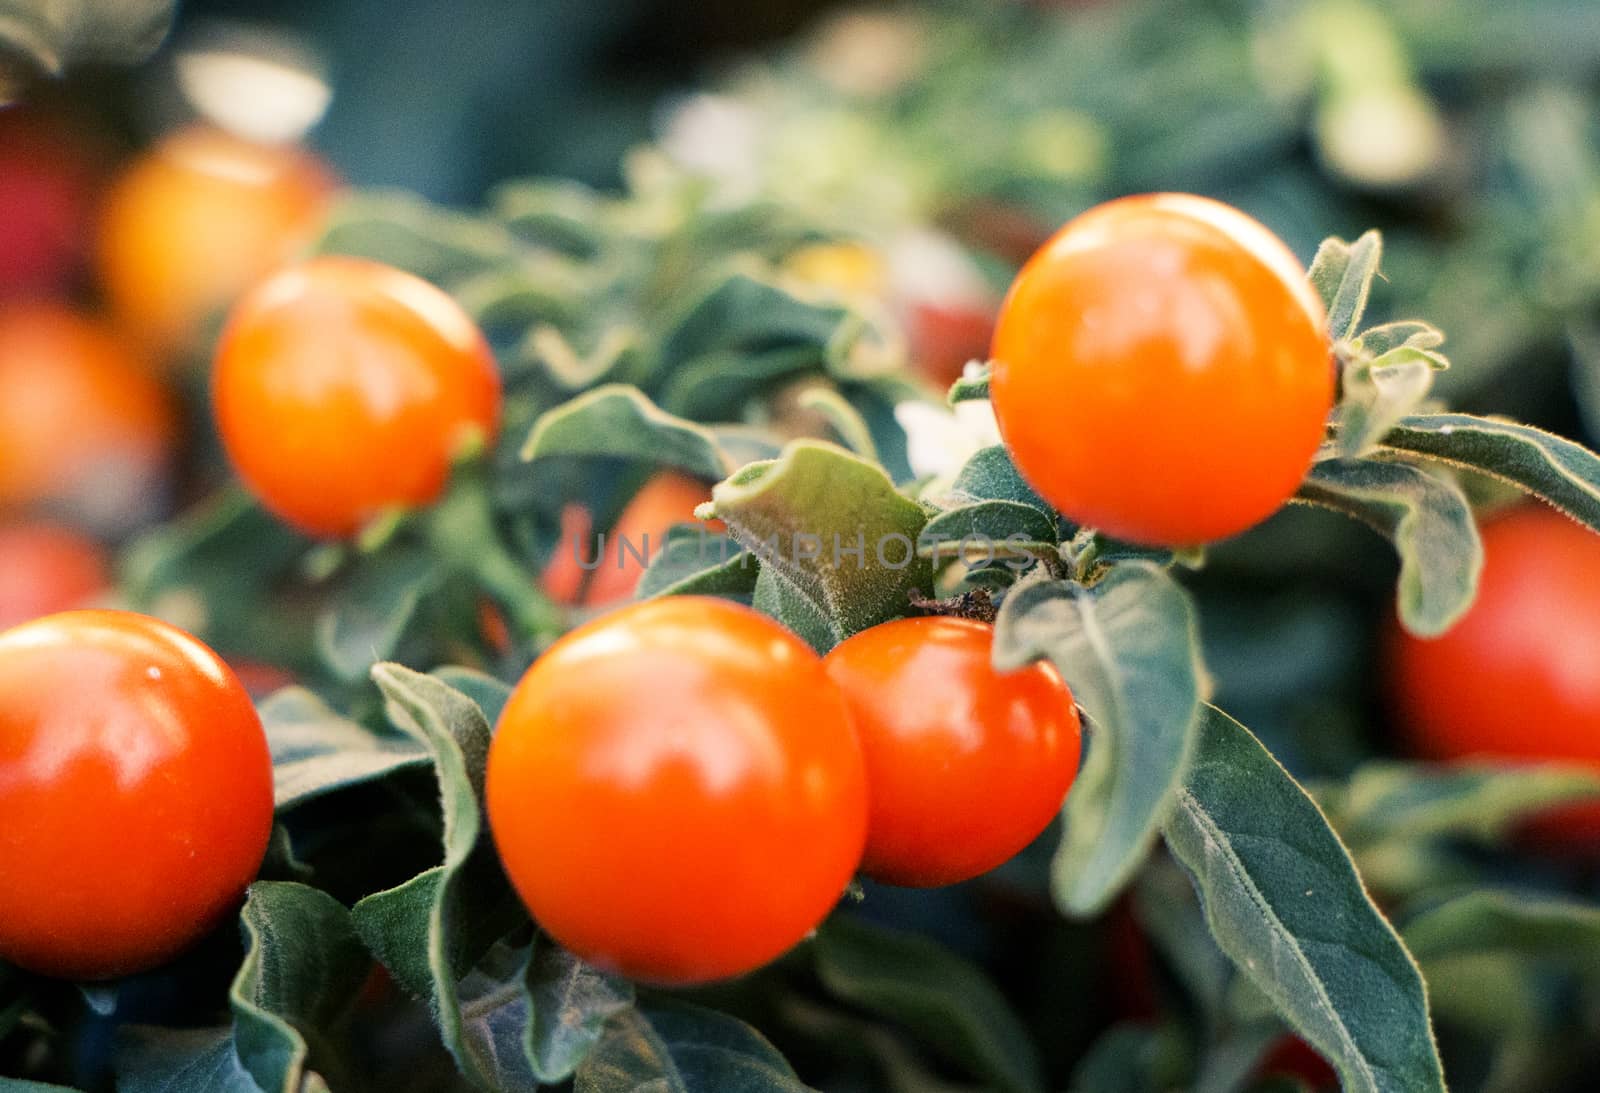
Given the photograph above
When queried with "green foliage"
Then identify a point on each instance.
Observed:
(1284, 902)
(944, 1000)
(683, 1049)
(1128, 648)
(837, 543)
(1428, 520)
(432, 931)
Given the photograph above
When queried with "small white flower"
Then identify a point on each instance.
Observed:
(717, 136)
(939, 441)
(929, 267)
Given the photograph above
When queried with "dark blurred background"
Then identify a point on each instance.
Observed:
(445, 97)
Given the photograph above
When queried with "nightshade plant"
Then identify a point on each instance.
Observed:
(1197, 902)
(633, 344)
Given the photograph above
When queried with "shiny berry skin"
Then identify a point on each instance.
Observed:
(966, 765)
(135, 793)
(1161, 370)
(85, 425)
(676, 791)
(345, 388)
(46, 568)
(1518, 677)
(198, 219)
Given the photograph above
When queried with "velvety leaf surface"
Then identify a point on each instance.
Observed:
(1285, 903)
(803, 513)
(1129, 650)
(303, 965)
(677, 1048)
(431, 931)
(1563, 473)
(620, 421)
(1428, 520)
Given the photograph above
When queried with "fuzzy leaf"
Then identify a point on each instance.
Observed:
(431, 931)
(693, 561)
(1342, 274)
(1285, 903)
(315, 751)
(1379, 393)
(943, 1000)
(970, 388)
(1563, 473)
(991, 476)
(1428, 520)
(802, 512)
(571, 1004)
(162, 1060)
(677, 1048)
(1129, 650)
(303, 965)
(489, 694)
(619, 421)
(991, 521)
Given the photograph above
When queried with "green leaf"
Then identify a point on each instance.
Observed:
(676, 1048)
(214, 572)
(161, 1060)
(431, 931)
(1563, 473)
(400, 229)
(946, 1002)
(845, 419)
(303, 966)
(802, 513)
(736, 340)
(315, 751)
(777, 596)
(1496, 921)
(1285, 903)
(561, 215)
(1378, 393)
(489, 694)
(970, 388)
(720, 385)
(993, 522)
(1129, 650)
(746, 315)
(1483, 802)
(1342, 275)
(695, 562)
(1132, 1058)
(614, 349)
(619, 421)
(1167, 909)
(369, 618)
(1428, 520)
(571, 1004)
(991, 476)
(1376, 341)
